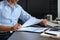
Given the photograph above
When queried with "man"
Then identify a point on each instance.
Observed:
(10, 11)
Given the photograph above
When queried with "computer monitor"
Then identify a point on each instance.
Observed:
(58, 8)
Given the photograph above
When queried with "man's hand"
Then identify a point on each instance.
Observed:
(43, 23)
(16, 27)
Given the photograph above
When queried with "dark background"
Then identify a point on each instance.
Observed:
(40, 8)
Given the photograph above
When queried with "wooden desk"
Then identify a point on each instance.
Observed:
(28, 36)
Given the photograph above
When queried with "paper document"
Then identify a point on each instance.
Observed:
(32, 29)
(31, 21)
(51, 34)
(57, 32)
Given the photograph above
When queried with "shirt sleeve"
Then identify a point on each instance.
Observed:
(27, 17)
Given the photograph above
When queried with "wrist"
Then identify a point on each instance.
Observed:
(12, 28)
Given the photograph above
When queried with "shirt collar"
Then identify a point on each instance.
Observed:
(6, 3)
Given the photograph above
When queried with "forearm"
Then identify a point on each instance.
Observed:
(8, 28)
(5, 28)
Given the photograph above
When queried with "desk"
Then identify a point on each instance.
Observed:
(28, 36)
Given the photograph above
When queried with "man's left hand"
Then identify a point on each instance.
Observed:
(43, 22)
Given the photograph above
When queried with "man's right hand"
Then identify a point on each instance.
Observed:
(16, 27)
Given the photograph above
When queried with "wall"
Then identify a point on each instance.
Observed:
(39, 8)
(53, 8)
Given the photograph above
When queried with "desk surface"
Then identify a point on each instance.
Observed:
(28, 36)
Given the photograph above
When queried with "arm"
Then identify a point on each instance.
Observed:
(5, 28)
(9, 28)
(26, 16)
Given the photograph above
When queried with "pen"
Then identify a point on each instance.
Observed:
(50, 34)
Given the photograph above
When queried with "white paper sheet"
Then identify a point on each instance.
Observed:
(54, 32)
(32, 29)
(31, 21)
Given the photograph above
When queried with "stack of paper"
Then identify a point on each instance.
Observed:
(32, 29)
(32, 21)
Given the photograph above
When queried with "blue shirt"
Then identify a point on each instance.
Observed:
(9, 16)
